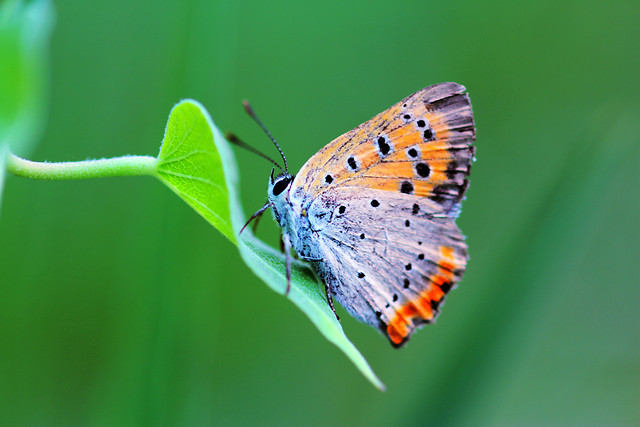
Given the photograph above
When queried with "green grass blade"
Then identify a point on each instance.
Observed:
(196, 162)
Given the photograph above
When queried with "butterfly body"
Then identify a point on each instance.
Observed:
(300, 227)
(374, 211)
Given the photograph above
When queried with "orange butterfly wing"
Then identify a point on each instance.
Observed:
(421, 145)
(421, 149)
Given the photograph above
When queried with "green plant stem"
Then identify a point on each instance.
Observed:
(118, 166)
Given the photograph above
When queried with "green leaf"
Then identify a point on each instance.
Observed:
(190, 165)
(4, 155)
(197, 163)
(24, 37)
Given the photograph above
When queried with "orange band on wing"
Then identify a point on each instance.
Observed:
(423, 306)
(438, 124)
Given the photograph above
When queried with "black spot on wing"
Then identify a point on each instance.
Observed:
(423, 170)
(351, 162)
(406, 187)
(449, 191)
(446, 287)
(383, 146)
(454, 169)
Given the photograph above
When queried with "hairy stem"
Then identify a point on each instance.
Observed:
(118, 166)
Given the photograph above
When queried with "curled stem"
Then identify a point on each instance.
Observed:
(117, 166)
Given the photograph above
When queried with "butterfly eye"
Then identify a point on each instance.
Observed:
(281, 186)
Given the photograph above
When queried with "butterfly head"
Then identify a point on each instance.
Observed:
(279, 186)
(278, 192)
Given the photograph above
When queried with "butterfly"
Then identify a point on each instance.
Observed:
(374, 211)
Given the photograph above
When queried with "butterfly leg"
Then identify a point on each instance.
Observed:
(255, 216)
(327, 291)
(287, 253)
(254, 226)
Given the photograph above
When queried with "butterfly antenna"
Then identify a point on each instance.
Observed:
(232, 138)
(252, 114)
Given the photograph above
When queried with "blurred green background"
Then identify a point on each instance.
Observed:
(120, 305)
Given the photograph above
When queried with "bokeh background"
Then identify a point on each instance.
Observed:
(121, 306)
